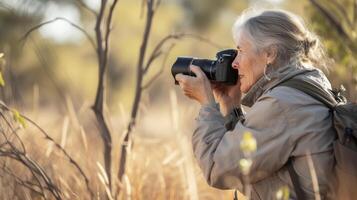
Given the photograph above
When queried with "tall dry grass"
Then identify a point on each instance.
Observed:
(160, 163)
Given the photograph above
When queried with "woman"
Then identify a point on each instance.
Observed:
(289, 126)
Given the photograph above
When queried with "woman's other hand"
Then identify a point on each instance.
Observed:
(197, 88)
(228, 96)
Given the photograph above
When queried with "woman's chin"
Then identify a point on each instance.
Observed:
(244, 89)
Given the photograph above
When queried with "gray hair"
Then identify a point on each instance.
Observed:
(284, 31)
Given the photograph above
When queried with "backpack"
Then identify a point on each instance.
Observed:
(344, 182)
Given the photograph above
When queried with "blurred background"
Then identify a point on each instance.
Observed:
(51, 76)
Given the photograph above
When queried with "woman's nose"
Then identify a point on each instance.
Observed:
(235, 63)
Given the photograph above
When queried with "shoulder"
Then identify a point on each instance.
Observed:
(292, 97)
(288, 97)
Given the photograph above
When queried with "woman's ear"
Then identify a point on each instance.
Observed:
(271, 53)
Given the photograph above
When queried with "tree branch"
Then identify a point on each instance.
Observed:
(102, 54)
(138, 90)
(35, 169)
(23, 38)
(81, 3)
(147, 85)
(157, 50)
(71, 160)
(331, 18)
(107, 32)
(153, 56)
(13, 132)
(355, 15)
(44, 133)
(345, 37)
(98, 105)
(342, 11)
(25, 184)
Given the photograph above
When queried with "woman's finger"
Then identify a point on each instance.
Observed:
(180, 78)
(197, 71)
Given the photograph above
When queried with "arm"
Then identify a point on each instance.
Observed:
(236, 115)
(218, 152)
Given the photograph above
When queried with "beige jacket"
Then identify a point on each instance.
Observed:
(286, 123)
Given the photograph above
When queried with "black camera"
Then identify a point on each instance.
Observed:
(219, 70)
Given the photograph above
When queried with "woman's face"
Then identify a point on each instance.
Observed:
(249, 62)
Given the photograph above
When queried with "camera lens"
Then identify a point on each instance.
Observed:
(182, 65)
(207, 66)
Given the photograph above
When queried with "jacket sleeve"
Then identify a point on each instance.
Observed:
(218, 150)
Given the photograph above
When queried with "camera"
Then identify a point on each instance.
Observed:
(217, 71)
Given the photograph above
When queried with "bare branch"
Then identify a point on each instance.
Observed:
(71, 160)
(202, 39)
(153, 56)
(157, 50)
(138, 89)
(343, 12)
(35, 170)
(355, 14)
(142, 8)
(13, 132)
(147, 85)
(347, 41)
(26, 184)
(7, 7)
(81, 3)
(158, 2)
(23, 38)
(331, 18)
(107, 32)
(98, 105)
(102, 54)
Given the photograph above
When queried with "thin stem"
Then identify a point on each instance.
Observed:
(23, 38)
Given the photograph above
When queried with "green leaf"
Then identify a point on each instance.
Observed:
(2, 81)
(18, 118)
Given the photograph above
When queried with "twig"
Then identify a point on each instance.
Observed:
(107, 31)
(330, 18)
(23, 38)
(144, 87)
(315, 184)
(138, 90)
(347, 40)
(6, 7)
(102, 51)
(343, 12)
(26, 184)
(157, 50)
(13, 132)
(35, 170)
(72, 161)
(355, 15)
(81, 3)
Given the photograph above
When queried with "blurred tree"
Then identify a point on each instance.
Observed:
(11, 26)
(336, 22)
(201, 13)
(15, 18)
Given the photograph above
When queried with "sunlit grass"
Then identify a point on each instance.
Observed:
(160, 163)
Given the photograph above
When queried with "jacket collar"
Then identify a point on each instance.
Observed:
(275, 76)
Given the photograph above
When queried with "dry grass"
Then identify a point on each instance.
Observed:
(160, 163)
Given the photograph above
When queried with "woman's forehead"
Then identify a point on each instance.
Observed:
(242, 40)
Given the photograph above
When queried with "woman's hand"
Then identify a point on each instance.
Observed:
(228, 96)
(197, 88)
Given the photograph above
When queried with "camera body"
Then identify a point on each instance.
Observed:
(217, 71)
